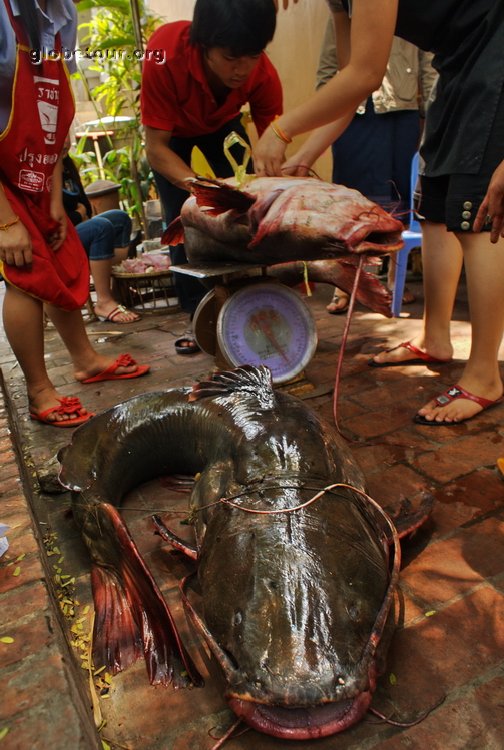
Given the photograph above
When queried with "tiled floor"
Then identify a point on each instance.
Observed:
(450, 636)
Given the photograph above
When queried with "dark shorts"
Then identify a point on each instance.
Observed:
(454, 199)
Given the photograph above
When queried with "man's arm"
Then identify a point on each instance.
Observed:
(165, 161)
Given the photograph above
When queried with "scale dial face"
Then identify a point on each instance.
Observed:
(267, 324)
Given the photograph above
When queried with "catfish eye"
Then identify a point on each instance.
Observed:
(237, 619)
(354, 612)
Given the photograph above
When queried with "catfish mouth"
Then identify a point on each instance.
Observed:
(380, 242)
(301, 723)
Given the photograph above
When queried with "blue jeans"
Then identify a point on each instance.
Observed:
(103, 233)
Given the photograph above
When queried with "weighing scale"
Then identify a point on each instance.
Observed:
(252, 320)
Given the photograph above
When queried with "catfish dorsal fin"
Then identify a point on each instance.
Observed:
(247, 379)
(220, 197)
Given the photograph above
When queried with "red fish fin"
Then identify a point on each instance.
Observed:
(221, 197)
(131, 615)
(371, 292)
(174, 233)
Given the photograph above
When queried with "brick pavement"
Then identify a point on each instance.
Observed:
(449, 640)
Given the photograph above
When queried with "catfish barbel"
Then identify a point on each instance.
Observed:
(297, 582)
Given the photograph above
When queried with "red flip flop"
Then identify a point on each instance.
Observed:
(110, 372)
(420, 358)
(454, 394)
(68, 405)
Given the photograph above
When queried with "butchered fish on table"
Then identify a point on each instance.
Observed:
(294, 564)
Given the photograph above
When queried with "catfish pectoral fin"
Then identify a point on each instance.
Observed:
(412, 514)
(174, 233)
(132, 617)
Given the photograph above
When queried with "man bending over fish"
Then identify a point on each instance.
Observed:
(212, 67)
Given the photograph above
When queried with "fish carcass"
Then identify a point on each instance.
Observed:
(277, 219)
(297, 583)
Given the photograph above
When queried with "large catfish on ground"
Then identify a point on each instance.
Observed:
(297, 582)
(277, 219)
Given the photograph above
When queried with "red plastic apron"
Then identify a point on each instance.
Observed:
(41, 114)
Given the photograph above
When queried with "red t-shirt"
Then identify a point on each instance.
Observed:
(175, 95)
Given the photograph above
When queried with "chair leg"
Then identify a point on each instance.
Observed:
(400, 281)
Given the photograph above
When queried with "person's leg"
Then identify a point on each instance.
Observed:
(98, 236)
(484, 265)
(339, 302)
(23, 325)
(442, 264)
(86, 360)
(121, 224)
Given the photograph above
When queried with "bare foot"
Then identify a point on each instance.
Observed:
(339, 302)
(401, 353)
(101, 363)
(113, 313)
(59, 408)
(460, 403)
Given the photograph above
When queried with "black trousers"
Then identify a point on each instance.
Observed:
(189, 290)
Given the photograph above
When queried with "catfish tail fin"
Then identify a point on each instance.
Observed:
(132, 617)
(220, 197)
(174, 233)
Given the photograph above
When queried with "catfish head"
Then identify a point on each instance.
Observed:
(296, 606)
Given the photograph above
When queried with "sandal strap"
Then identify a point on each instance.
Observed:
(456, 392)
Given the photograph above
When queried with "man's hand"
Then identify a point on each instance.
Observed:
(492, 208)
(15, 246)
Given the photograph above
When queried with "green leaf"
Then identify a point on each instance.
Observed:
(392, 679)
(4, 732)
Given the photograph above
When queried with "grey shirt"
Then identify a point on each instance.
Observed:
(407, 83)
